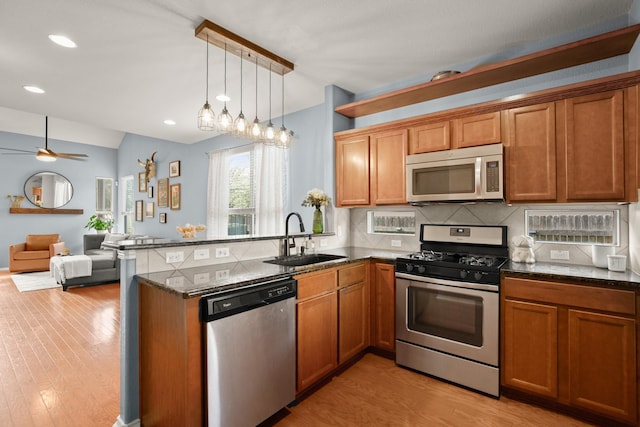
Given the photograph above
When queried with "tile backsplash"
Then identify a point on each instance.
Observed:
(485, 214)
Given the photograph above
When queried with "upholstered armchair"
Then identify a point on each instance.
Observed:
(35, 253)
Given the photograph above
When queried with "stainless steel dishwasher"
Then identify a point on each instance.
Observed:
(250, 353)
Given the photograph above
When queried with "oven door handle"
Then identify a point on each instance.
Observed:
(453, 283)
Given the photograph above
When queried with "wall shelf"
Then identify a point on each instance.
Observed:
(46, 211)
(603, 46)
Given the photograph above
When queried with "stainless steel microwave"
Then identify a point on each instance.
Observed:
(465, 174)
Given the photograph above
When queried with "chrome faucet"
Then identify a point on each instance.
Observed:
(287, 246)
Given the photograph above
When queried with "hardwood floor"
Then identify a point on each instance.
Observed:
(376, 392)
(59, 356)
(59, 366)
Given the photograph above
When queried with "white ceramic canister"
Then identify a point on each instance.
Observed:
(599, 255)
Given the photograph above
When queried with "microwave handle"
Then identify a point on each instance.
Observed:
(478, 176)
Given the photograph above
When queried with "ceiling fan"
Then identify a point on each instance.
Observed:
(46, 154)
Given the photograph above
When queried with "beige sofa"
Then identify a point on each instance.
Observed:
(34, 253)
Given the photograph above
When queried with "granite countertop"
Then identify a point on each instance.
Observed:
(584, 273)
(198, 281)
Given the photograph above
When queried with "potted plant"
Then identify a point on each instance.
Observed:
(100, 224)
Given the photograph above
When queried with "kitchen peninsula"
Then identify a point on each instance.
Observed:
(177, 288)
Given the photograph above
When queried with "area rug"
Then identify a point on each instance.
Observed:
(34, 281)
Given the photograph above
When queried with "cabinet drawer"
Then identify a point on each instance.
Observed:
(310, 285)
(612, 300)
(351, 274)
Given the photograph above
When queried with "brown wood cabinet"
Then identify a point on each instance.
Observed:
(480, 129)
(571, 150)
(571, 344)
(530, 153)
(383, 283)
(171, 366)
(317, 327)
(430, 137)
(353, 311)
(370, 169)
(470, 131)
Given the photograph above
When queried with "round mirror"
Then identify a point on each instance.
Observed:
(48, 190)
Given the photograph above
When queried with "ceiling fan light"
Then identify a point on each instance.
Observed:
(206, 118)
(33, 89)
(223, 98)
(45, 156)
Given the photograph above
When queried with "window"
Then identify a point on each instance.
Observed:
(600, 228)
(241, 193)
(247, 191)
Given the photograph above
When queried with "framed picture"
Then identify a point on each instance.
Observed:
(174, 192)
(174, 169)
(139, 209)
(163, 217)
(163, 193)
(150, 191)
(142, 182)
(148, 210)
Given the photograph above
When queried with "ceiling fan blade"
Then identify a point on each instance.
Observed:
(70, 155)
(17, 149)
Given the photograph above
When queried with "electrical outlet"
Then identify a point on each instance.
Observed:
(324, 243)
(200, 278)
(175, 281)
(222, 274)
(560, 255)
(173, 257)
(396, 243)
(199, 254)
(222, 252)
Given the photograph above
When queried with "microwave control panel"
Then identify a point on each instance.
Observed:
(493, 176)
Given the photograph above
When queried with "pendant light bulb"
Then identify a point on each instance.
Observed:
(283, 137)
(206, 117)
(270, 130)
(257, 131)
(225, 121)
(240, 124)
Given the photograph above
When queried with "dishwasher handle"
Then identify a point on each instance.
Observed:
(218, 306)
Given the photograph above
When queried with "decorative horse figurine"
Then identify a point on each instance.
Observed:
(149, 167)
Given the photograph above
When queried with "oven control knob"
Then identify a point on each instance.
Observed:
(421, 269)
(463, 273)
(477, 275)
(409, 267)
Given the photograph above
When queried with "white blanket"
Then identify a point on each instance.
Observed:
(69, 267)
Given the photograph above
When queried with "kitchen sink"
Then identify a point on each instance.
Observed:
(299, 260)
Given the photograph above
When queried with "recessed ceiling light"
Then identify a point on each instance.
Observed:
(33, 89)
(223, 98)
(170, 122)
(62, 40)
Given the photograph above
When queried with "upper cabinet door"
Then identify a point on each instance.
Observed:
(481, 129)
(352, 171)
(388, 164)
(430, 137)
(530, 151)
(591, 147)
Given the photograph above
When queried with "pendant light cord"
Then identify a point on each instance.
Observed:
(207, 76)
(225, 75)
(282, 99)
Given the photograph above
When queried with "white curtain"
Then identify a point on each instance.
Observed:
(218, 200)
(271, 173)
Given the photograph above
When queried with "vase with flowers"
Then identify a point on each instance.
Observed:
(317, 198)
(16, 201)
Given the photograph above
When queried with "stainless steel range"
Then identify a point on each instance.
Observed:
(447, 304)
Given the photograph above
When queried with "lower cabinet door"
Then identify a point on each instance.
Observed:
(384, 286)
(353, 321)
(530, 340)
(602, 365)
(317, 337)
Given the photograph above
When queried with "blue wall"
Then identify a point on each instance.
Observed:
(16, 169)
(311, 155)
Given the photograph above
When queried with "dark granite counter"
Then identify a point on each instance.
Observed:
(583, 273)
(198, 281)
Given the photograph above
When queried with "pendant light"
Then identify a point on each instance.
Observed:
(256, 132)
(240, 124)
(225, 121)
(283, 138)
(270, 130)
(206, 118)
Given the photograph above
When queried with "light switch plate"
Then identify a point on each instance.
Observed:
(396, 243)
(559, 255)
(199, 254)
(173, 257)
(222, 252)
